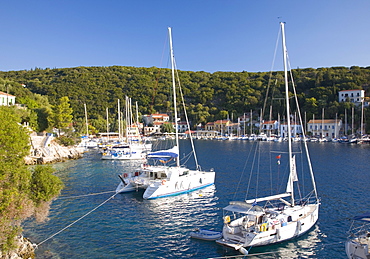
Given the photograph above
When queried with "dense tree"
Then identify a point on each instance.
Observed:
(22, 193)
(62, 114)
(234, 92)
(167, 128)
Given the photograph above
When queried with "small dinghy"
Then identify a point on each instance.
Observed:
(208, 235)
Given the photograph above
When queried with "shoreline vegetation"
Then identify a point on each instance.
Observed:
(47, 93)
(25, 192)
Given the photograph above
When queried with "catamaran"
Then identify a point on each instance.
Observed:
(163, 180)
(261, 221)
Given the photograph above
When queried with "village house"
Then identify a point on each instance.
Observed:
(353, 96)
(210, 126)
(295, 129)
(154, 123)
(222, 126)
(328, 128)
(6, 99)
(269, 127)
(182, 126)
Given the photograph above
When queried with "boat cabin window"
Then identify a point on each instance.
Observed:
(185, 173)
(260, 220)
(163, 175)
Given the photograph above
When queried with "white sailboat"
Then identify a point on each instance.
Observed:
(358, 242)
(261, 221)
(163, 180)
(133, 148)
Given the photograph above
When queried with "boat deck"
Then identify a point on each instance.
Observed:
(364, 240)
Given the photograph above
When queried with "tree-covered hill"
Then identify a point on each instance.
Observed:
(208, 95)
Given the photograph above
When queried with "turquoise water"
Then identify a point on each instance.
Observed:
(129, 227)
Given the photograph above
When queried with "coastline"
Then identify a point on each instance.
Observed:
(24, 250)
(45, 150)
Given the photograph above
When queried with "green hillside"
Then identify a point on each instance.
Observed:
(209, 96)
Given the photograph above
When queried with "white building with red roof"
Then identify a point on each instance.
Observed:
(6, 99)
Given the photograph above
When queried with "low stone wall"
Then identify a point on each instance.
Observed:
(24, 250)
(48, 151)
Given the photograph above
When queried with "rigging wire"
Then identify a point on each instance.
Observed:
(242, 174)
(270, 77)
(303, 133)
(251, 171)
(186, 117)
(158, 73)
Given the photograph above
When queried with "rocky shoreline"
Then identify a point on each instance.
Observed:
(45, 150)
(24, 250)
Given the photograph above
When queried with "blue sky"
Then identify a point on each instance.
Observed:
(208, 35)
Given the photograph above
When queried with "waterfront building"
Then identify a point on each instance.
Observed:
(327, 128)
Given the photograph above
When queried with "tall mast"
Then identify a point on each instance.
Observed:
(287, 110)
(335, 127)
(362, 118)
(127, 105)
(119, 121)
(322, 123)
(174, 92)
(353, 120)
(107, 123)
(87, 125)
(250, 121)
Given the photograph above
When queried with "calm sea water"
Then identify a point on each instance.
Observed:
(129, 227)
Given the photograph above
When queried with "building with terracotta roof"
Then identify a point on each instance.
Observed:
(328, 128)
(6, 99)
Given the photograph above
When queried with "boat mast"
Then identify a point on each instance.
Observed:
(174, 92)
(322, 123)
(119, 121)
(87, 125)
(362, 119)
(107, 123)
(288, 111)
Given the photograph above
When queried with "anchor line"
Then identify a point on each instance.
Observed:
(84, 195)
(74, 222)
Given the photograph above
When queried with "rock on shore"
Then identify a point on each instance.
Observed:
(24, 250)
(44, 150)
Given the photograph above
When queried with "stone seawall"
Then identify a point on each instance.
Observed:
(45, 150)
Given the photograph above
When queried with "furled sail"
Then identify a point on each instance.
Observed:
(292, 176)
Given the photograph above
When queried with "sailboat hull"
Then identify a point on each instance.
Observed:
(291, 223)
(187, 181)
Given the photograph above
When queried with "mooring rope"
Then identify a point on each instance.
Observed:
(84, 195)
(74, 222)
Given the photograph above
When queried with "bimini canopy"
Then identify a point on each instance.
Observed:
(164, 154)
(363, 217)
(245, 208)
